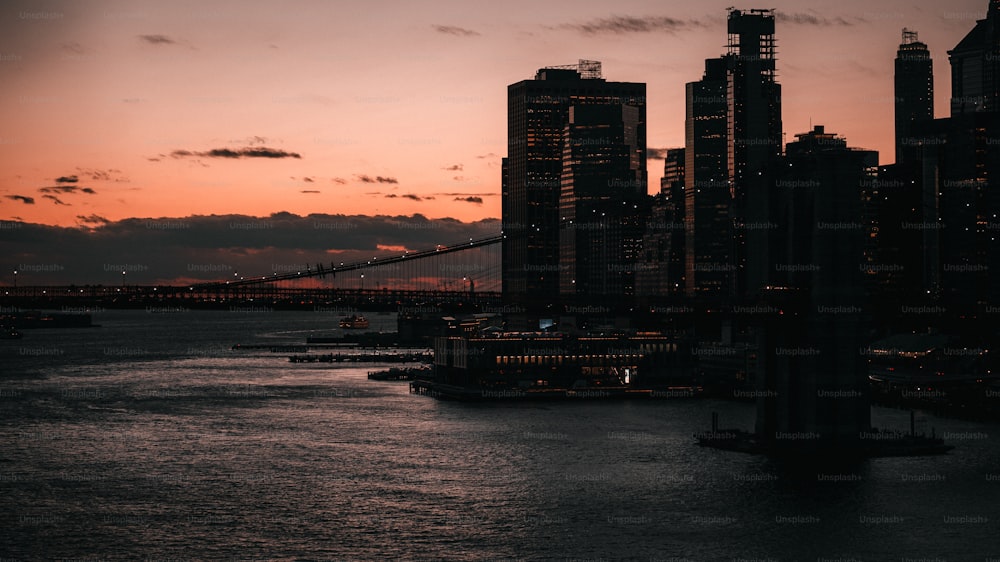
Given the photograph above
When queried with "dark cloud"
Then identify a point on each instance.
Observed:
(632, 24)
(471, 199)
(22, 198)
(456, 194)
(67, 179)
(92, 219)
(67, 189)
(308, 180)
(656, 153)
(454, 168)
(56, 200)
(157, 39)
(412, 196)
(802, 18)
(365, 178)
(248, 152)
(341, 181)
(110, 174)
(252, 245)
(455, 30)
(488, 155)
(310, 191)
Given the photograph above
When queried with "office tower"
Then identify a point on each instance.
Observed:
(975, 80)
(603, 188)
(914, 87)
(970, 168)
(754, 138)
(537, 115)
(707, 198)
(672, 188)
(813, 378)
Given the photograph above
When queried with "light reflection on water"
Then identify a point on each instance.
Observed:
(172, 445)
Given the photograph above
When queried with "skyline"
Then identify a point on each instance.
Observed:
(255, 110)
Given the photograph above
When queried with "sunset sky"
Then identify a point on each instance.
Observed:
(169, 109)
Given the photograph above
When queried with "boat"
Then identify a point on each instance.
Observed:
(354, 322)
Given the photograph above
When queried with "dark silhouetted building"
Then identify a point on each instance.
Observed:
(537, 114)
(914, 88)
(603, 189)
(975, 83)
(755, 138)
(813, 379)
(707, 223)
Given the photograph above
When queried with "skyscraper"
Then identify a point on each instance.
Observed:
(603, 187)
(914, 87)
(754, 138)
(734, 137)
(975, 66)
(537, 115)
(812, 378)
(707, 197)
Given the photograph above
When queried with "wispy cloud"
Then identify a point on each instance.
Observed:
(248, 152)
(471, 199)
(109, 174)
(67, 189)
(804, 18)
(22, 198)
(56, 200)
(618, 25)
(455, 30)
(453, 168)
(92, 219)
(412, 196)
(365, 178)
(656, 153)
(310, 191)
(157, 39)
(67, 179)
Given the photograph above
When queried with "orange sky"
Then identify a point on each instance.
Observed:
(379, 107)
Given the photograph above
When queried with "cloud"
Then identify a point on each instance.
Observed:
(365, 178)
(412, 196)
(67, 179)
(92, 219)
(802, 18)
(455, 30)
(248, 152)
(488, 155)
(307, 179)
(656, 153)
(470, 199)
(453, 194)
(22, 198)
(56, 200)
(110, 174)
(310, 191)
(618, 25)
(67, 189)
(168, 247)
(454, 168)
(341, 181)
(157, 39)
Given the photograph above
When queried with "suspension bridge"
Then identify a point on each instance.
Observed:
(463, 272)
